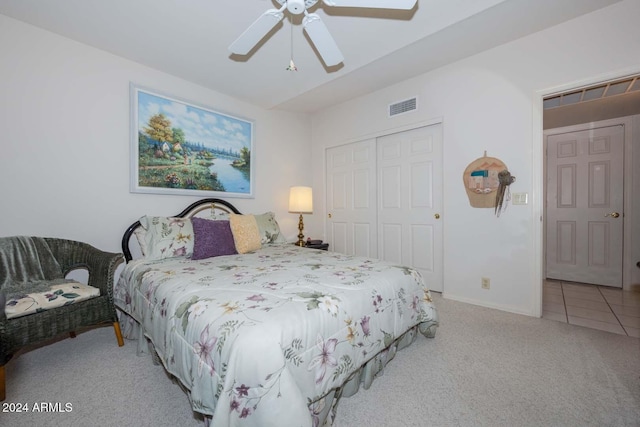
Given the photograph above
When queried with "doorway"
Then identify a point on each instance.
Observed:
(611, 106)
(580, 299)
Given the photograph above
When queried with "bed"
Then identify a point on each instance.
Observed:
(273, 336)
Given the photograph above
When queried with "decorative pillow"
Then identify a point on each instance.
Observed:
(141, 234)
(245, 233)
(57, 296)
(167, 237)
(218, 215)
(269, 229)
(212, 238)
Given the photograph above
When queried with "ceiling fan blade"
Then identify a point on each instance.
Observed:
(322, 40)
(256, 32)
(375, 4)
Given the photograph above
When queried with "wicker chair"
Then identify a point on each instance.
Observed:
(65, 255)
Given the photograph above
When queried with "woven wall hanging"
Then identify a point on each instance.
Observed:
(486, 181)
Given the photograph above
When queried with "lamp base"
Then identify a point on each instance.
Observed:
(300, 241)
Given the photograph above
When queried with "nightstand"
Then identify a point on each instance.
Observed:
(320, 246)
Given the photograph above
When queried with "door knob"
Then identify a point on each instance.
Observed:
(329, 215)
(437, 216)
(613, 215)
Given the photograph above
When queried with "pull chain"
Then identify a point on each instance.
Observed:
(292, 66)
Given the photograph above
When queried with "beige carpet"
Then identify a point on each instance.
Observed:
(484, 368)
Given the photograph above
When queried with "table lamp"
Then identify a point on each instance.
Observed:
(300, 201)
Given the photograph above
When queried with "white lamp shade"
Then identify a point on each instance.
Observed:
(301, 200)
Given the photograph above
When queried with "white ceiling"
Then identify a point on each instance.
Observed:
(189, 39)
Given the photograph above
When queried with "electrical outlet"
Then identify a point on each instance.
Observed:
(486, 283)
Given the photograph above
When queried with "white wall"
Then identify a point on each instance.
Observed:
(491, 102)
(64, 160)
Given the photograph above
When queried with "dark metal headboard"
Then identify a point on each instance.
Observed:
(189, 211)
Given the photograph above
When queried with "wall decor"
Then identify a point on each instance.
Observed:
(486, 182)
(505, 179)
(178, 147)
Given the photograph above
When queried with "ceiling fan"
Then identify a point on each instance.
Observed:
(312, 24)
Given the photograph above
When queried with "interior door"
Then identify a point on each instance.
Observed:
(584, 227)
(351, 199)
(410, 201)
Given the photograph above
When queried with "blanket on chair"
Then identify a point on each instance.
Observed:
(25, 259)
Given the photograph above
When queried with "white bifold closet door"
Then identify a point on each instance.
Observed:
(351, 199)
(384, 200)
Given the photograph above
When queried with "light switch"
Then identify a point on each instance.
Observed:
(520, 198)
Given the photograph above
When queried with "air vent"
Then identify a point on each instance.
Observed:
(402, 107)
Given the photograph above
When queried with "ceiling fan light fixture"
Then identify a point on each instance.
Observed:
(296, 7)
(312, 24)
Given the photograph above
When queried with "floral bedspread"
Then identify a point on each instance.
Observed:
(258, 338)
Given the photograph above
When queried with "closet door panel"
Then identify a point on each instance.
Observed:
(410, 201)
(351, 199)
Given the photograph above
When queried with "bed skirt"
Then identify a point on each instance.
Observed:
(324, 409)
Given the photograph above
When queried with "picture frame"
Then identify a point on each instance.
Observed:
(180, 147)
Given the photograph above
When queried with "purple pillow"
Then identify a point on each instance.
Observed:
(212, 238)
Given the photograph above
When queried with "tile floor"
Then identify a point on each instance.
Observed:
(597, 307)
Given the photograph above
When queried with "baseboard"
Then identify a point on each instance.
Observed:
(507, 308)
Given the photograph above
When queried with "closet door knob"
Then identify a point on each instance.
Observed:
(613, 215)
(437, 216)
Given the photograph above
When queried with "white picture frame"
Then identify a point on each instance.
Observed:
(179, 147)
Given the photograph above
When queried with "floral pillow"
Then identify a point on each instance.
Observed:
(246, 234)
(212, 238)
(218, 215)
(269, 229)
(167, 237)
(141, 237)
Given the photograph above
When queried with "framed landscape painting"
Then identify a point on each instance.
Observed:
(178, 147)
